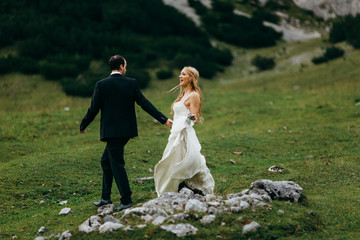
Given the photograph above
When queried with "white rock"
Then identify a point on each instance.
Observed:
(147, 218)
(42, 202)
(194, 205)
(210, 197)
(207, 219)
(141, 226)
(65, 211)
(251, 227)
(63, 203)
(65, 235)
(91, 224)
(187, 192)
(42, 229)
(159, 220)
(214, 204)
(183, 7)
(128, 228)
(180, 229)
(110, 218)
(109, 227)
(40, 238)
(281, 212)
(179, 216)
(106, 209)
(285, 190)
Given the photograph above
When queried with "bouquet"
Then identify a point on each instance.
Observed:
(192, 117)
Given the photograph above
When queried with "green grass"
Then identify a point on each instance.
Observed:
(310, 111)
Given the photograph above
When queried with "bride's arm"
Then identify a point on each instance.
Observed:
(195, 106)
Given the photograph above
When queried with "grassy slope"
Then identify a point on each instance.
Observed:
(310, 111)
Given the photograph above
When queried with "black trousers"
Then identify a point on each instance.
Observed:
(113, 166)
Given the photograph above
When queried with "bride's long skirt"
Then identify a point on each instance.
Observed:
(182, 161)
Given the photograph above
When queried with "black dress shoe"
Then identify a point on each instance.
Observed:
(124, 206)
(102, 202)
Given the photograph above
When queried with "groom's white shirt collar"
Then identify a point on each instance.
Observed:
(115, 72)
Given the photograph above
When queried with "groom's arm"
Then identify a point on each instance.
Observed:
(148, 107)
(93, 109)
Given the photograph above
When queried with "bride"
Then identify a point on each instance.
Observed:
(182, 163)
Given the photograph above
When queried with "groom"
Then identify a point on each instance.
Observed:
(115, 96)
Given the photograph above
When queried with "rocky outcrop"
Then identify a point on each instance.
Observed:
(282, 190)
(172, 207)
(327, 9)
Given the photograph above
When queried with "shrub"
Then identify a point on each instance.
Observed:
(27, 65)
(57, 71)
(333, 52)
(164, 74)
(7, 64)
(198, 6)
(263, 15)
(223, 6)
(337, 32)
(142, 76)
(65, 44)
(263, 63)
(330, 53)
(347, 28)
(78, 86)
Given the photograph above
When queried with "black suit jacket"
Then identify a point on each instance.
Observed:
(116, 97)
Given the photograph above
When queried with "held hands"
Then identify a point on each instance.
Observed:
(169, 123)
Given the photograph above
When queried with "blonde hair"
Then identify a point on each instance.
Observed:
(194, 81)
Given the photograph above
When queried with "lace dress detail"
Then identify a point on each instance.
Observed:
(182, 160)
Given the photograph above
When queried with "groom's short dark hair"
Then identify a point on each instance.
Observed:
(115, 62)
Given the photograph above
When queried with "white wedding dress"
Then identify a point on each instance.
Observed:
(182, 160)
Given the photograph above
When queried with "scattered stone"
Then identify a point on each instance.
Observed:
(210, 197)
(65, 235)
(106, 209)
(63, 203)
(261, 205)
(311, 213)
(159, 220)
(110, 218)
(275, 168)
(140, 180)
(240, 218)
(14, 237)
(40, 238)
(194, 205)
(180, 229)
(147, 218)
(128, 228)
(281, 212)
(234, 195)
(55, 235)
(283, 190)
(187, 192)
(65, 211)
(207, 219)
(260, 194)
(223, 224)
(91, 224)
(42, 202)
(179, 217)
(109, 227)
(251, 227)
(42, 230)
(232, 161)
(141, 226)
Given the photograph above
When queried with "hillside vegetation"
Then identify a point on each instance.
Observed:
(302, 117)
